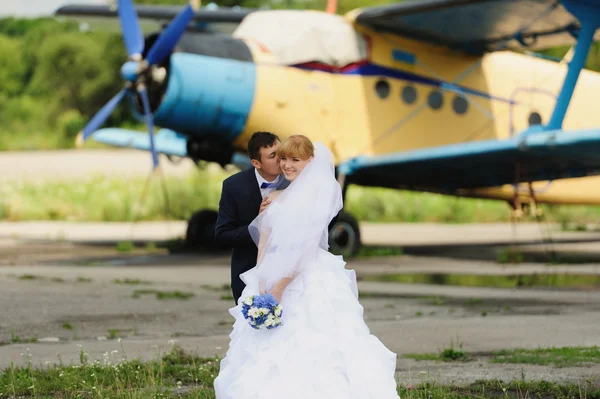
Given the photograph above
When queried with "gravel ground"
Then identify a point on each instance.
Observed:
(55, 310)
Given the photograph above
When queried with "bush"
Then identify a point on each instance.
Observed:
(70, 123)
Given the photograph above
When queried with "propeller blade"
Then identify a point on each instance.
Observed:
(102, 115)
(132, 33)
(149, 122)
(168, 39)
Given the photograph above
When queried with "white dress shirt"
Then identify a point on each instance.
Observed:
(266, 191)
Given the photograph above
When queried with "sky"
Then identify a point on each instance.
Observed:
(36, 8)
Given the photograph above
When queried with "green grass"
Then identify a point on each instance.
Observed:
(387, 205)
(510, 255)
(114, 333)
(109, 199)
(371, 251)
(29, 277)
(32, 277)
(163, 294)
(36, 138)
(223, 287)
(125, 246)
(453, 353)
(130, 379)
(423, 356)
(130, 281)
(178, 374)
(559, 357)
(499, 389)
(564, 280)
(100, 198)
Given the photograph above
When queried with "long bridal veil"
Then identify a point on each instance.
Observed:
(294, 226)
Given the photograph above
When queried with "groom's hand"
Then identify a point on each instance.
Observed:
(263, 205)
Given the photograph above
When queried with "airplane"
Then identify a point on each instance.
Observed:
(442, 96)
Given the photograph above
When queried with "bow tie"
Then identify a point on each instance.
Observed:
(265, 185)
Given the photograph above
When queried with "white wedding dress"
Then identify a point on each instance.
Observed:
(323, 349)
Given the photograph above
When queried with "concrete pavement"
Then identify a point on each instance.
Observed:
(384, 234)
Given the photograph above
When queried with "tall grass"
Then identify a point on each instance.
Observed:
(386, 205)
(101, 198)
(110, 199)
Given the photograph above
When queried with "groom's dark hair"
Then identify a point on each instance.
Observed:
(259, 140)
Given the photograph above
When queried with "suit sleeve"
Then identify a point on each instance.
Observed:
(227, 231)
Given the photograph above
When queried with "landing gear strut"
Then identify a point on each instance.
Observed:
(521, 207)
(344, 233)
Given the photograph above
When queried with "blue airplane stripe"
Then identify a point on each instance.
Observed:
(371, 69)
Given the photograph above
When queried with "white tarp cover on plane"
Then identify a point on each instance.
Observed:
(296, 37)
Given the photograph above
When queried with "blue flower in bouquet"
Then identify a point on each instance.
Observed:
(263, 312)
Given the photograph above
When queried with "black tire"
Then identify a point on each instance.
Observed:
(200, 232)
(344, 236)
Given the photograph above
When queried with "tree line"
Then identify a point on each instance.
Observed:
(54, 76)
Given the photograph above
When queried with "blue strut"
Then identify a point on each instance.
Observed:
(588, 12)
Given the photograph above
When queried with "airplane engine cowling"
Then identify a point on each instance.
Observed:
(207, 96)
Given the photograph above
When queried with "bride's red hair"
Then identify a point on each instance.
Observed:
(296, 146)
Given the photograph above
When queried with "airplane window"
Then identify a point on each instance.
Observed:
(460, 105)
(535, 118)
(435, 100)
(409, 94)
(382, 88)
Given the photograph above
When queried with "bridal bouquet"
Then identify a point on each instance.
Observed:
(262, 311)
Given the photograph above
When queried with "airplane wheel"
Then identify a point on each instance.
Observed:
(200, 232)
(344, 236)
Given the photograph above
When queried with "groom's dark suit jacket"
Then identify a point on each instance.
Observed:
(238, 206)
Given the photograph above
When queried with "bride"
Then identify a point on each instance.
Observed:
(323, 349)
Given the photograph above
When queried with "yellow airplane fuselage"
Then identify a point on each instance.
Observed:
(417, 96)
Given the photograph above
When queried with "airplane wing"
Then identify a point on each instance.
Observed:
(166, 141)
(476, 26)
(539, 156)
(153, 17)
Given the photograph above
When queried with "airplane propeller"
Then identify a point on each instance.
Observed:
(136, 70)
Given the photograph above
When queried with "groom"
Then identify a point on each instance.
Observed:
(242, 198)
